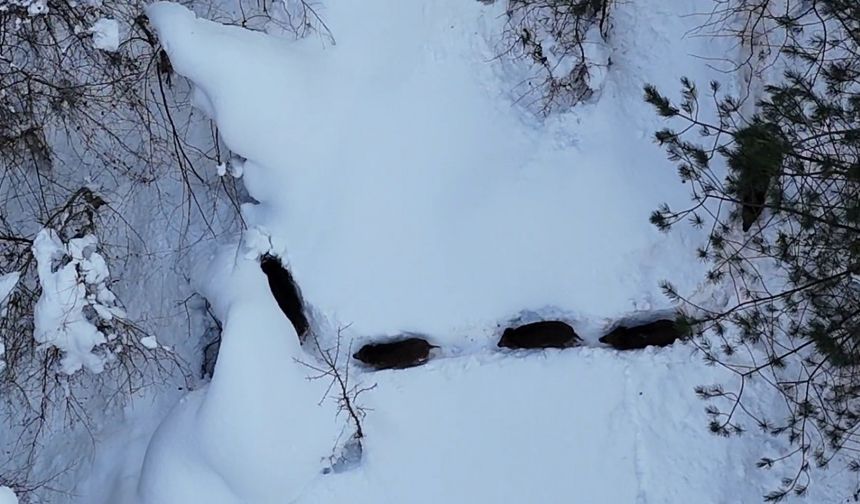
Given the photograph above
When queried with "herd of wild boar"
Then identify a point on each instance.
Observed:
(410, 350)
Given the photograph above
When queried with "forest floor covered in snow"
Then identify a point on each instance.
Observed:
(405, 179)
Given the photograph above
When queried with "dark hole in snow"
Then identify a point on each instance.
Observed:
(397, 354)
(210, 340)
(627, 336)
(286, 293)
(543, 334)
(211, 346)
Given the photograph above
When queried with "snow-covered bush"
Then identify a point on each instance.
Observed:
(76, 311)
(562, 42)
(332, 366)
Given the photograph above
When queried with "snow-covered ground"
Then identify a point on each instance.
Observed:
(408, 190)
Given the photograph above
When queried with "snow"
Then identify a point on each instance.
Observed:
(407, 191)
(234, 166)
(7, 496)
(92, 264)
(106, 34)
(587, 425)
(509, 427)
(443, 194)
(149, 342)
(66, 270)
(237, 167)
(59, 318)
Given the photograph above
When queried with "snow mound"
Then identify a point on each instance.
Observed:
(259, 408)
(417, 197)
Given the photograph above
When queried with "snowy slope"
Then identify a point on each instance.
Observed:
(408, 191)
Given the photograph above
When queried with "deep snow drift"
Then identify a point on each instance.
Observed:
(408, 192)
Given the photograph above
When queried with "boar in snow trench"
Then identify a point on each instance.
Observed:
(398, 354)
(286, 293)
(543, 334)
(657, 333)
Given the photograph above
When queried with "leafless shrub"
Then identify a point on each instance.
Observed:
(80, 126)
(302, 18)
(37, 393)
(553, 37)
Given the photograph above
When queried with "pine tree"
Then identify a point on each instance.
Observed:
(789, 178)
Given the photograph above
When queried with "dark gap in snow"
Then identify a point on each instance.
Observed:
(210, 354)
(211, 342)
(286, 293)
